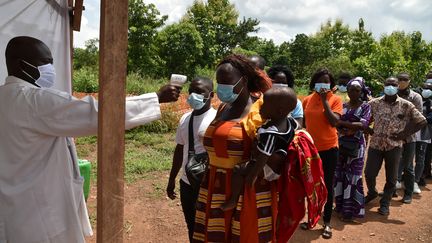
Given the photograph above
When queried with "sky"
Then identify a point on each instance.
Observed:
(282, 20)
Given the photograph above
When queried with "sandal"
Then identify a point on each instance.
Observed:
(327, 232)
(304, 226)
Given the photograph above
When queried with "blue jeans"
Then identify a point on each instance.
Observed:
(406, 166)
(373, 165)
(420, 159)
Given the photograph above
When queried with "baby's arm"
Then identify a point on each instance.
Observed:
(257, 167)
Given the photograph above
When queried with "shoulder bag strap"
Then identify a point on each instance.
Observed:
(191, 136)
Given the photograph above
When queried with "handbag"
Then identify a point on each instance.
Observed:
(349, 148)
(197, 164)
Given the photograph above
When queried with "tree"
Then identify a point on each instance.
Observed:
(87, 57)
(283, 56)
(144, 21)
(217, 23)
(301, 55)
(419, 63)
(180, 47)
(331, 39)
(362, 42)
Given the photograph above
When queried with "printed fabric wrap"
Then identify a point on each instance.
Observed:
(302, 176)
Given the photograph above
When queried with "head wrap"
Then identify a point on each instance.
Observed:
(362, 83)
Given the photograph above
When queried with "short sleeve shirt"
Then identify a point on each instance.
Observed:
(389, 119)
(271, 140)
(323, 133)
(200, 124)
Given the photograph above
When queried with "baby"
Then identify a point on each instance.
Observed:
(272, 145)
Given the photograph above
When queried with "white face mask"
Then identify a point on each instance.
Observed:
(279, 85)
(319, 86)
(46, 75)
(342, 88)
(426, 93)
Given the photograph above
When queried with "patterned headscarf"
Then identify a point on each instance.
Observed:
(362, 83)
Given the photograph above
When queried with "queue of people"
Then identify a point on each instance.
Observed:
(268, 153)
(237, 199)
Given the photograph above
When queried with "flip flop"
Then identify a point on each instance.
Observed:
(327, 232)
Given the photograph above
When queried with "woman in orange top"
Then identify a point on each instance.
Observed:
(228, 143)
(322, 110)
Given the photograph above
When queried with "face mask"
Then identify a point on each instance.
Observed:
(319, 86)
(426, 93)
(279, 85)
(403, 85)
(225, 92)
(196, 101)
(390, 90)
(342, 88)
(46, 75)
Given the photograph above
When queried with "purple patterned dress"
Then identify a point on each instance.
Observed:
(348, 184)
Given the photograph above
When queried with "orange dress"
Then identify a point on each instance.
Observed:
(254, 218)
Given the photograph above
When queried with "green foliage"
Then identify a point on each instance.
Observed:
(217, 23)
(144, 152)
(144, 21)
(331, 39)
(336, 65)
(136, 84)
(87, 57)
(301, 55)
(147, 152)
(180, 46)
(85, 80)
(206, 72)
(167, 123)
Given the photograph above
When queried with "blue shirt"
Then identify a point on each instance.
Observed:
(298, 110)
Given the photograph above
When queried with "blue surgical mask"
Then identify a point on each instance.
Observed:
(319, 86)
(390, 90)
(342, 88)
(426, 93)
(225, 92)
(279, 85)
(46, 75)
(196, 101)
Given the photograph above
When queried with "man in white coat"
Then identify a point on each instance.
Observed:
(41, 193)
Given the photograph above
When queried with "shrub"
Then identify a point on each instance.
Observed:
(85, 80)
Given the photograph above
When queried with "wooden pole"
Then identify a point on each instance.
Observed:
(112, 80)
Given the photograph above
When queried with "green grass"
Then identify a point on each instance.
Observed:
(144, 152)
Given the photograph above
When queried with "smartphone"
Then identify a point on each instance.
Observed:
(178, 79)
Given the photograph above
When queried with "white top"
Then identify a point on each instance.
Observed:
(200, 124)
(41, 194)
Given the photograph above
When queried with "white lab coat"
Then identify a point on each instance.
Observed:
(41, 193)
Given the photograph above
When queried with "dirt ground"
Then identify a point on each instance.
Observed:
(151, 217)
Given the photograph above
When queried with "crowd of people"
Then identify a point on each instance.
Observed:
(268, 152)
(257, 127)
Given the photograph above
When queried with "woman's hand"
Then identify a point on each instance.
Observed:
(323, 94)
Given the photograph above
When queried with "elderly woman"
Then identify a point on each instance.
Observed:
(355, 118)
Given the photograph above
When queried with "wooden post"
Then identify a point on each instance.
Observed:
(112, 81)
